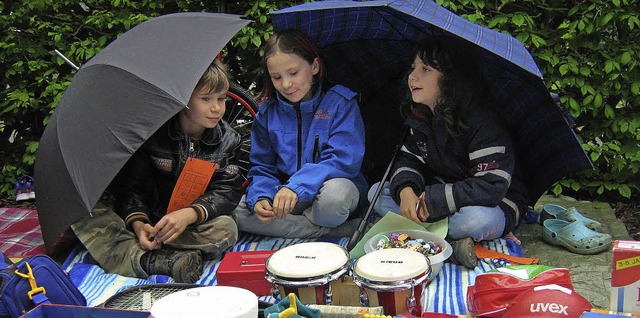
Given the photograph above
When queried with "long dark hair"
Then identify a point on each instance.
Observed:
(291, 41)
(461, 84)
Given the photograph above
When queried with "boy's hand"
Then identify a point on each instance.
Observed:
(264, 211)
(284, 202)
(143, 232)
(173, 224)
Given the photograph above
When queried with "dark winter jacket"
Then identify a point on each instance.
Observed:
(150, 175)
(478, 168)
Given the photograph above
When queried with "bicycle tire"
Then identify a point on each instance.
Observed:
(241, 109)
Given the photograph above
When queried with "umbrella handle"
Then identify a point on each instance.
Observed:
(357, 235)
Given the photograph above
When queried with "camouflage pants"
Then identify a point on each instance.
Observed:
(117, 251)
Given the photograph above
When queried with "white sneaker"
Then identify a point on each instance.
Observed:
(22, 196)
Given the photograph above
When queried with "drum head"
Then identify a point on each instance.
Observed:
(391, 265)
(307, 260)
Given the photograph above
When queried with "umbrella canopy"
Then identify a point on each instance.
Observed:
(114, 103)
(368, 47)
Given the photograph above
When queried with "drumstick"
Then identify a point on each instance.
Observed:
(419, 204)
(357, 235)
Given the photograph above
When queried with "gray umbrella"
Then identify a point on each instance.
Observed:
(115, 102)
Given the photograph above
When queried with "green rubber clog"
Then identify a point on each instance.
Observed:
(575, 236)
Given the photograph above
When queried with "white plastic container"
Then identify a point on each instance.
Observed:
(436, 261)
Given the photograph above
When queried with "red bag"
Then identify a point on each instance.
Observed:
(494, 290)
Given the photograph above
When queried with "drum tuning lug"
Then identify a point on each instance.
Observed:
(411, 303)
(364, 298)
(275, 293)
(328, 296)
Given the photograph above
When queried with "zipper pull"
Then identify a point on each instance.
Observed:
(191, 149)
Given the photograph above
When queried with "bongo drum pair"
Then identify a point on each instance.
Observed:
(391, 278)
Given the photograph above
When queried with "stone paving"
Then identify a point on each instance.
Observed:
(590, 274)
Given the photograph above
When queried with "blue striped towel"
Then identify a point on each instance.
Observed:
(446, 293)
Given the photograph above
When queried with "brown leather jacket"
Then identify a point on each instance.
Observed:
(146, 182)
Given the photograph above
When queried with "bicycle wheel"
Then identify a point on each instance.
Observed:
(241, 109)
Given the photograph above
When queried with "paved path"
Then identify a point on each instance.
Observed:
(590, 274)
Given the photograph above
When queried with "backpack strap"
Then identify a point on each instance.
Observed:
(5, 262)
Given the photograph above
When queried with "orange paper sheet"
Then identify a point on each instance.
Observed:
(192, 183)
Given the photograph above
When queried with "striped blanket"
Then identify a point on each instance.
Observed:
(446, 293)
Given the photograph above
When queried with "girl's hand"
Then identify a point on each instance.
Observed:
(173, 224)
(263, 211)
(284, 202)
(143, 232)
(408, 202)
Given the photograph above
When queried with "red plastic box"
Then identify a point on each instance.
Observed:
(245, 270)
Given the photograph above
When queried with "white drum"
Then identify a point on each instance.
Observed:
(208, 301)
(392, 278)
(307, 270)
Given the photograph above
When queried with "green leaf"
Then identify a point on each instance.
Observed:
(564, 69)
(587, 100)
(517, 20)
(635, 88)
(625, 57)
(557, 190)
(608, 112)
(585, 71)
(598, 100)
(624, 190)
(606, 18)
(608, 67)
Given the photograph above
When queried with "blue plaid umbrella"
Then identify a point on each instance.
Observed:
(368, 47)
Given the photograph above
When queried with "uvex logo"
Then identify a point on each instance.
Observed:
(549, 307)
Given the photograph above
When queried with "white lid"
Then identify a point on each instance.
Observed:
(208, 301)
(391, 265)
(305, 260)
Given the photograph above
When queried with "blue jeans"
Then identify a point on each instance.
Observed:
(478, 222)
(336, 199)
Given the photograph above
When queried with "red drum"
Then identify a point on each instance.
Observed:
(307, 270)
(392, 278)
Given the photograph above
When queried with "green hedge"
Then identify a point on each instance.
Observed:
(587, 51)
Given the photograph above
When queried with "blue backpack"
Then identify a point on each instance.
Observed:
(34, 281)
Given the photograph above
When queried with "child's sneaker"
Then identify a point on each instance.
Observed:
(25, 188)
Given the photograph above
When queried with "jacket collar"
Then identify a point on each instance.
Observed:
(211, 135)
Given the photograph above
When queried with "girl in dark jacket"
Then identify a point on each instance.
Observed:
(457, 161)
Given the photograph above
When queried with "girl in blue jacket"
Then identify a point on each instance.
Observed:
(307, 147)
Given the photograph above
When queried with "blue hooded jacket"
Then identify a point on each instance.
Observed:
(301, 146)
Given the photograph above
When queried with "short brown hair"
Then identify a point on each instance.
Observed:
(215, 78)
